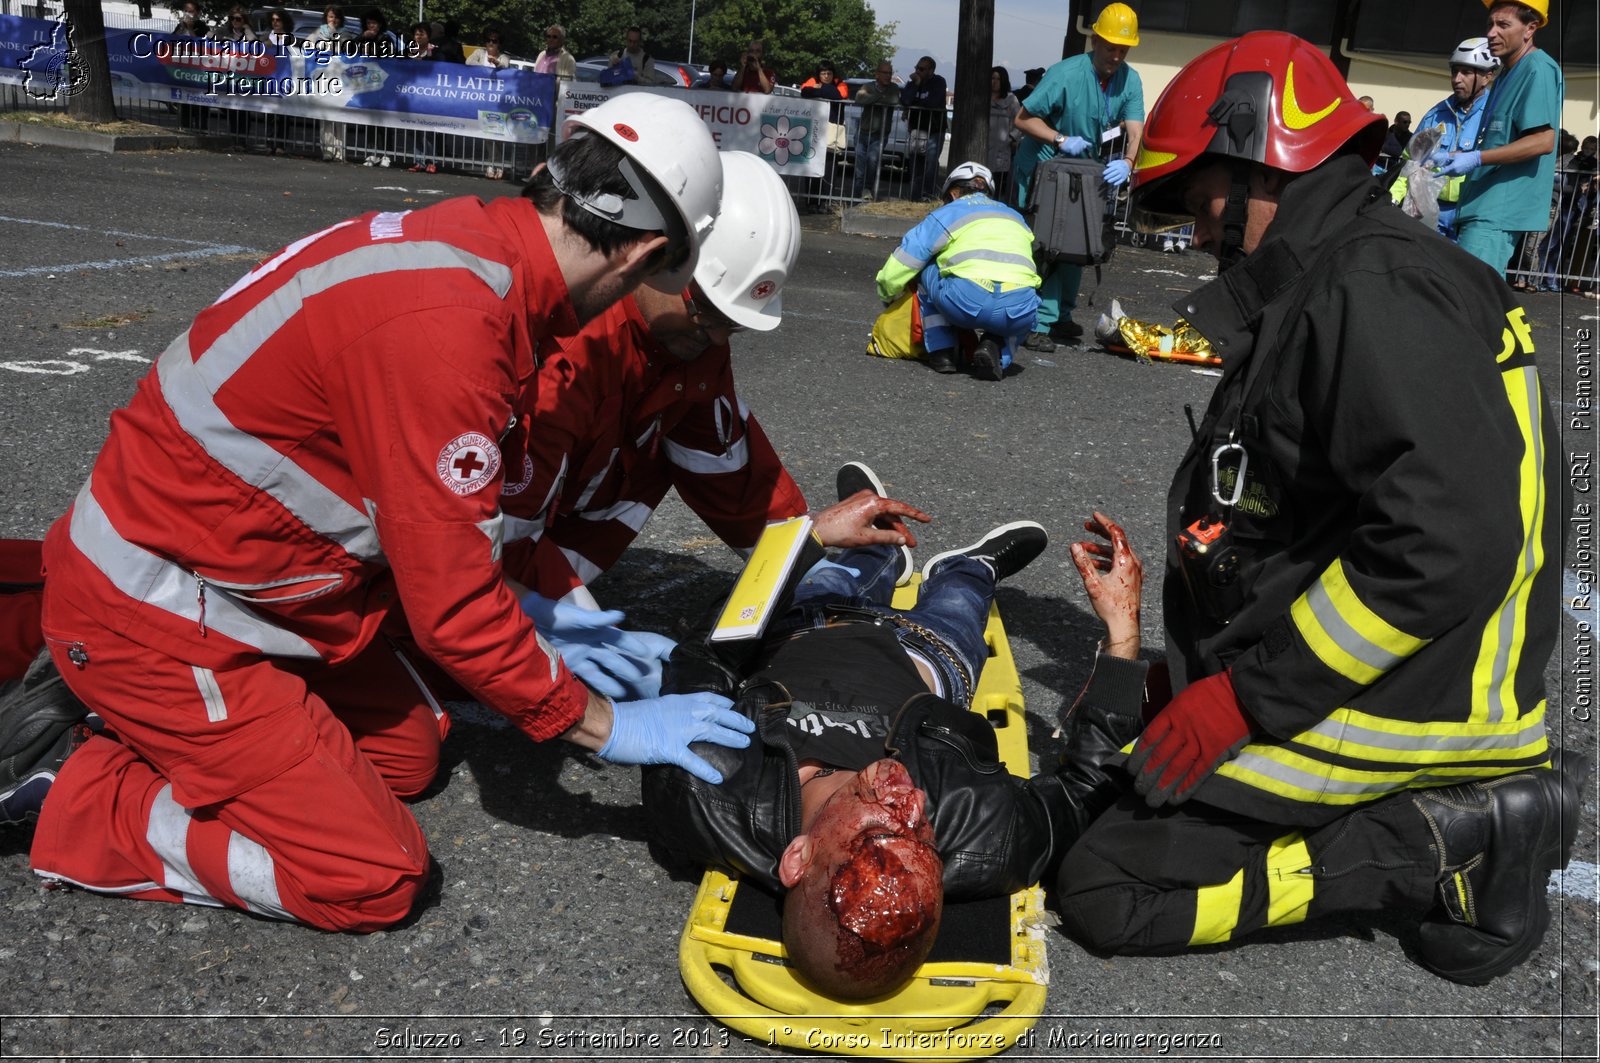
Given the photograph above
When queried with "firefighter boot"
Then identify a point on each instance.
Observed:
(1497, 842)
(40, 723)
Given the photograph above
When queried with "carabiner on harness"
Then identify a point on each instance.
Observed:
(1227, 450)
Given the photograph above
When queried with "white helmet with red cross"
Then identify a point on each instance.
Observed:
(753, 247)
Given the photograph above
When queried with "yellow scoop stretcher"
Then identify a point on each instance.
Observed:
(982, 988)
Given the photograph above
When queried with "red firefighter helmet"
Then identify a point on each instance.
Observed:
(1267, 97)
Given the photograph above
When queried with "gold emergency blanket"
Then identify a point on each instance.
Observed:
(1180, 343)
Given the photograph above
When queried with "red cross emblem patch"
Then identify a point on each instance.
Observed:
(468, 462)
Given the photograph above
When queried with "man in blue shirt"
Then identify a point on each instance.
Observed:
(1511, 169)
(1472, 68)
(972, 261)
(1077, 103)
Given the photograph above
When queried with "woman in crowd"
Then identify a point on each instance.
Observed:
(490, 54)
(1003, 134)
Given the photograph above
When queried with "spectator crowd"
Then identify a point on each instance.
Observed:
(1087, 105)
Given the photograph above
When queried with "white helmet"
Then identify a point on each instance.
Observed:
(667, 139)
(966, 172)
(747, 258)
(1474, 52)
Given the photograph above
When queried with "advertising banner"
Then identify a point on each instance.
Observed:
(789, 132)
(512, 104)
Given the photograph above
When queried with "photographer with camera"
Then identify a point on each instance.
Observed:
(752, 76)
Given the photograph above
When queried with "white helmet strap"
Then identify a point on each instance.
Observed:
(647, 209)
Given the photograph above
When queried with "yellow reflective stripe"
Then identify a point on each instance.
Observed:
(1344, 633)
(1460, 882)
(1289, 882)
(1494, 674)
(1148, 158)
(1216, 911)
(1293, 116)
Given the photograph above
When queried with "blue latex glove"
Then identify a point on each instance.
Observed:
(1116, 172)
(657, 649)
(601, 654)
(1462, 162)
(659, 731)
(1073, 146)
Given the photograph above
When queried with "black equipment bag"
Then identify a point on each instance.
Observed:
(1067, 210)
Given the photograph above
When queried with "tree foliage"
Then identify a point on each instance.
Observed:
(798, 35)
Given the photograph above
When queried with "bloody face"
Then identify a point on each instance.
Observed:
(885, 882)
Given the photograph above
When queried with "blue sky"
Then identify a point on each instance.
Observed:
(1026, 32)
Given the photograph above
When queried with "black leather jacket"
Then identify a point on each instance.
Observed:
(996, 832)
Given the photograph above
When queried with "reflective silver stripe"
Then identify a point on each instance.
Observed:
(190, 385)
(1346, 732)
(433, 702)
(271, 265)
(206, 680)
(1305, 780)
(167, 834)
(515, 529)
(701, 461)
(905, 259)
(1347, 638)
(983, 255)
(253, 878)
(934, 320)
(157, 582)
(257, 464)
(985, 215)
(494, 528)
(596, 480)
(234, 347)
(586, 571)
(633, 514)
(1507, 620)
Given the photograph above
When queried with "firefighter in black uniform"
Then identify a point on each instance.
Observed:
(1362, 588)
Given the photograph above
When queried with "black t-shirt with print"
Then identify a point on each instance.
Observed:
(847, 682)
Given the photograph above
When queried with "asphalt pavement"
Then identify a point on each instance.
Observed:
(556, 932)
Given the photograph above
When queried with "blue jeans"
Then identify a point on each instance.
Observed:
(869, 155)
(949, 303)
(953, 605)
(925, 172)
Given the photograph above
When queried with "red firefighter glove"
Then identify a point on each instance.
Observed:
(1199, 730)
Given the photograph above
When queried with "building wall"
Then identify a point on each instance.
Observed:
(1395, 83)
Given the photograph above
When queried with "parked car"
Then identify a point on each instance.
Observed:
(669, 72)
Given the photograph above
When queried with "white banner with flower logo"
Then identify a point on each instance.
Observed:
(789, 132)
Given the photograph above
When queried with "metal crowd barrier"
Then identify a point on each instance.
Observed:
(1563, 257)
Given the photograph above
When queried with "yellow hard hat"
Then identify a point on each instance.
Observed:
(1118, 25)
(1541, 6)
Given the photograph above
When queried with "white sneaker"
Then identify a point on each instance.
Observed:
(1166, 245)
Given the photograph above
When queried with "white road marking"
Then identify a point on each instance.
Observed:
(120, 263)
(1581, 879)
(108, 356)
(200, 249)
(50, 366)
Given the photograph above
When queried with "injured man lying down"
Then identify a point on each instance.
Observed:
(873, 793)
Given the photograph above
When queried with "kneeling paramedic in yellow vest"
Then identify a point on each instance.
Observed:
(972, 261)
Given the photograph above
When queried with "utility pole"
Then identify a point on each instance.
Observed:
(1075, 43)
(969, 134)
